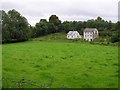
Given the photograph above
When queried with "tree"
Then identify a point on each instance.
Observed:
(56, 22)
(67, 26)
(15, 27)
(18, 26)
(115, 38)
(41, 28)
(32, 31)
(6, 33)
(51, 28)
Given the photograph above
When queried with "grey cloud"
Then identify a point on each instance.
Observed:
(34, 10)
(10, 5)
(119, 11)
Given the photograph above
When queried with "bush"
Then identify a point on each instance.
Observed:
(115, 38)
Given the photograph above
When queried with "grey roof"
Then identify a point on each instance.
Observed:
(73, 32)
(90, 29)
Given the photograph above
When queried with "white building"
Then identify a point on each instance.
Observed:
(90, 34)
(73, 35)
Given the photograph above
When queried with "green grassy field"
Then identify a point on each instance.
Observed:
(46, 64)
(0, 66)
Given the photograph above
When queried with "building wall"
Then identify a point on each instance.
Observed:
(88, 36)
(73, 36)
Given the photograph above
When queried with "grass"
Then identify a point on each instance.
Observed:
(52, 37)
(46, 64)
(0, 66)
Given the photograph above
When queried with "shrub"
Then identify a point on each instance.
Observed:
(115, 38)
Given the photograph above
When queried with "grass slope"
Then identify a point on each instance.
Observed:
(36, 64)
(0, 66)
(52, 37)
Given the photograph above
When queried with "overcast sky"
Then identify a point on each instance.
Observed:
(70, 10)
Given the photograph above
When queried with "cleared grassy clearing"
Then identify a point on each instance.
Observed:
(57, 64)
(0, 66)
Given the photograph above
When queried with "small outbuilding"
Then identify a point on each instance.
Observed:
(73, 35)
(90, 34)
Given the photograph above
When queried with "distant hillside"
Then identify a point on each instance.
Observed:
(52, 37)
(62, 37)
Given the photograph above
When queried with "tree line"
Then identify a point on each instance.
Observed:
(15, 27)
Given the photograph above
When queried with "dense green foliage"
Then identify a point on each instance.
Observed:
(59, 65)
(105, 28)
(44, 27)
(56, 22)
(16, 27)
